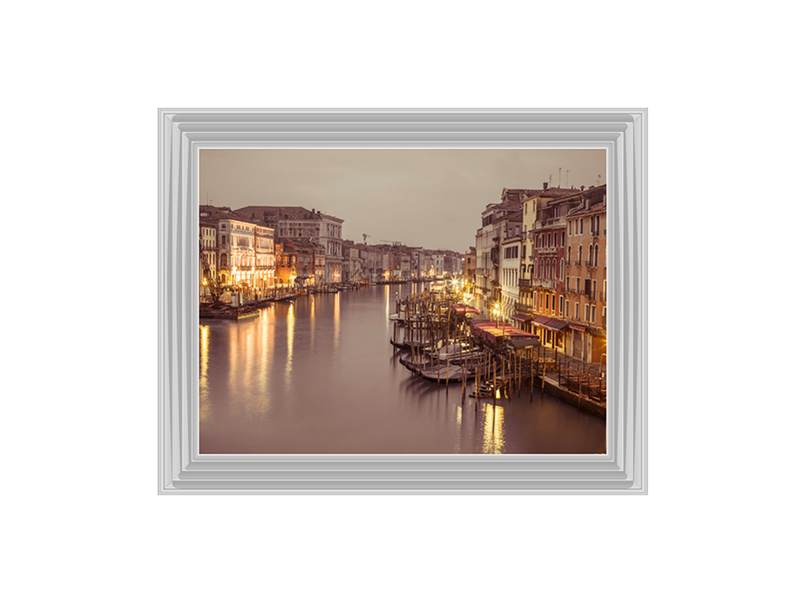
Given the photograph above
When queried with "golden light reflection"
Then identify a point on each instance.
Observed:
(291, 329)
(203, 383)
(458, 433)
(266, 337)
(493, 430)
(337, 317)
(312, 321)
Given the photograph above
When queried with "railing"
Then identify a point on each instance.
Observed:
(545, 283)
(525, 283)
(546, 250)
(522, 307)
(590, 263)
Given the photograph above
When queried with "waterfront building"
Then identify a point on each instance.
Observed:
(285, 264)
(541, 281)
(585, 279)
(352, 263)
(240, 245)
(469, 265)
(207, 265)
(298, 223)
(371, 259)
(511, 253)
(300, 255)
(488, 240)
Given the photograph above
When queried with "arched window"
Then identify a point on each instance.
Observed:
(223, 260)
(223, 239)
(562, 269)
(590, 254)
(596, 249)
(553, 271)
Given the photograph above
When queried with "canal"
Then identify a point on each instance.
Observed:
(320, 376)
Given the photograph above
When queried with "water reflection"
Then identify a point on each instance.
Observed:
(203, 381)
(291, 320)
(269, 386)
(494, 433)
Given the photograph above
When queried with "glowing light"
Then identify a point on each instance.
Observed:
(493, 430)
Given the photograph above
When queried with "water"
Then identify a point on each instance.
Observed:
(320, 376)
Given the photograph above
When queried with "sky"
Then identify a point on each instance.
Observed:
(429, 198)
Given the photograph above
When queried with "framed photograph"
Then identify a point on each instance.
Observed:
(402, 301)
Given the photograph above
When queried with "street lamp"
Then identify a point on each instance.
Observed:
(497, 314)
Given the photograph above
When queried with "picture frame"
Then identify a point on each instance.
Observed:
(183, 132)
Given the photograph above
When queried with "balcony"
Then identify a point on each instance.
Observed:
(590, 264)
(544, 283)
(547, 250)
(525, 284)
(518, 307)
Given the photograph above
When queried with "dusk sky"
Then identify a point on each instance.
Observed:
(428, 198)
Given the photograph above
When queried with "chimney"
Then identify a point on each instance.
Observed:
(582, 187)
(544, 184)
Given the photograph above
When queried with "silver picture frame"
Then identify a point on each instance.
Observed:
(621, 132)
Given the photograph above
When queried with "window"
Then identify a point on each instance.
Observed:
(586, 312)
(581, 221)
(561, 305)
(593, 314)
(577, 315)
(596, 250)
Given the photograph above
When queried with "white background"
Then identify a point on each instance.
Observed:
(82, 83)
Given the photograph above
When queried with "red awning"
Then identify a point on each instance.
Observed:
(552, 324)
(577, 327)
(521, 317)
(464, 309)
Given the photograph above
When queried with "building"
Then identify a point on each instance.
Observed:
(561, 287)
(469, 265)
(244, 253)
(207, 265)
(352, 263)
(510, 259)
(488, 242)
(585, 279)
(300, 224)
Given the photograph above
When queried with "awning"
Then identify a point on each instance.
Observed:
(553, 324)
(521, 317)
(577, 328)
(464, 309)
(524, 343)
